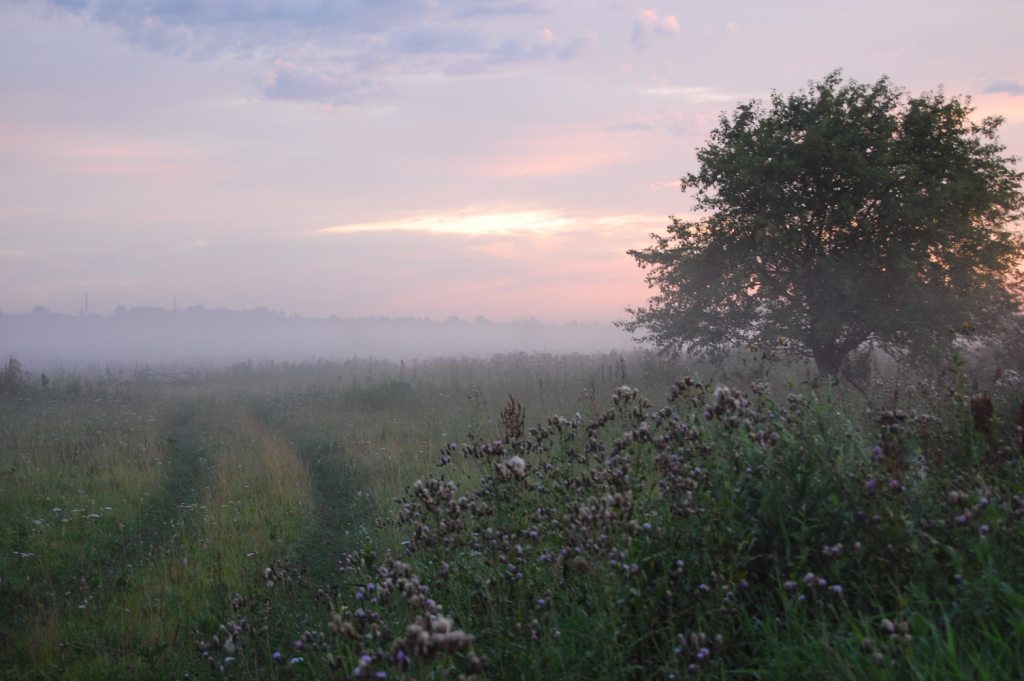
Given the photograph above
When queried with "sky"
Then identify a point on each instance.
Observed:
(422, 158)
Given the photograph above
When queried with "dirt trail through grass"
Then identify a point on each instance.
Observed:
(336, 508)
(162, 510)
(338, 513)
(334, 528)
(106, 567)
(234, 497)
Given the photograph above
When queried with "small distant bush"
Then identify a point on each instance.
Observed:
(14, 378)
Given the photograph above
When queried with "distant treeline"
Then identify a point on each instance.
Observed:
(197, 334)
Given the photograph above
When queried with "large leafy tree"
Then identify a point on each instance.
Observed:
(840, 215)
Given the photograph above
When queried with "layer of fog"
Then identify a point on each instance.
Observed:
(43, 340)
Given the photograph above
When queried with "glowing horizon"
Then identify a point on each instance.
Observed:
(433, 159)
(482, 220)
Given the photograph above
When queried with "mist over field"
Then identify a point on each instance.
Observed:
(501, 340)
(44, 340)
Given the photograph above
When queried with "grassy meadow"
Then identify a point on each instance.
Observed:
(518, 517)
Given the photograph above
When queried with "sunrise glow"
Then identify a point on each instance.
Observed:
(429, 159)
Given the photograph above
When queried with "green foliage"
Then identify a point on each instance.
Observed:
(198, 526)
(730, 535)
(13, 377)
(843, 215)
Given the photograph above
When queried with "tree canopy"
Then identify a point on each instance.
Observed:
(837, 216)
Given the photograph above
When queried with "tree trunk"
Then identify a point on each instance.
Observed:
(828, 359)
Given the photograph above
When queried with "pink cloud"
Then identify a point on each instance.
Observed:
(669, 24)
(651, 26)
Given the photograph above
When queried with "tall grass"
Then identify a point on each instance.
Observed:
(726, 534)
(514, 517)
(77, 476)
(136, 546)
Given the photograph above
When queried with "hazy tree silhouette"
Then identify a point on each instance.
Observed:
(843, 214)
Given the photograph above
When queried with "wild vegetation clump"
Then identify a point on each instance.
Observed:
(727, 533)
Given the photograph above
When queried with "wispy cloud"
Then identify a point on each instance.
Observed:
(543, 46)
(497, 8)
(242, 25)
(663, 185)
(471, 221)
(651, 26)
(1008, 87)
(696, 95)
(440, 40)
(496, 221)
(291, 81)
(349, 48)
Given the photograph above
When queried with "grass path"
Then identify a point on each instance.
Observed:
(162, 514)
(339, 509)
(232, 497)
(334, 498)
